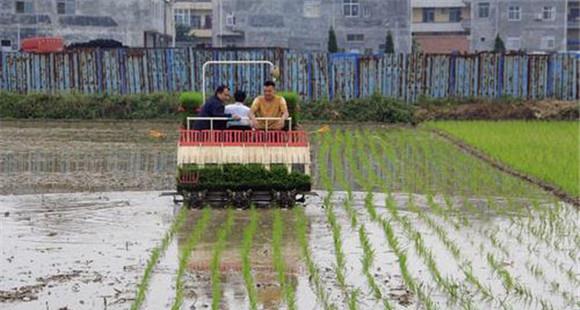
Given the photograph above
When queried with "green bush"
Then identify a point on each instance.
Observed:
(293, 102)
(243, 177)
(374, 109)
(191, 101)
(79, 106)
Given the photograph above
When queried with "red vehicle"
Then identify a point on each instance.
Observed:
(42, 45)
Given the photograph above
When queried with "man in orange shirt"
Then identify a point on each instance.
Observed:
(269, 105)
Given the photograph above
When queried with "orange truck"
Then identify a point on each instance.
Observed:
(42, 45)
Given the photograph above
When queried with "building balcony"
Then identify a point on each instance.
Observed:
(200, 33)
(441, 27)
(437, 4)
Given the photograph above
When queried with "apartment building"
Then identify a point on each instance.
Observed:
(360, 25)
(441, 26)
(131, 22)
(527, 25)
(193, 22)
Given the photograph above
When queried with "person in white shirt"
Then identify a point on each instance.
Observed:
(238, 108)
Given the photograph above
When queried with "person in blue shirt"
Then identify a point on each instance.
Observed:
(214, 107)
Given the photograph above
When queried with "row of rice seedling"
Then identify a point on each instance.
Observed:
(340, 258)
(547, 150)
(215, 265)
(368, 251)
(249, 232)
(313, 271)
(493, 235)
(156, 254)
(278, 260)
(192, 240)
(453, 250)
(339, 170)
(367, 184)
(447, 284)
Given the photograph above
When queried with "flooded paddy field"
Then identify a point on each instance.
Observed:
(400, 219)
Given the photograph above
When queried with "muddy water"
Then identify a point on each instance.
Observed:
(80, 212)
(54, 157)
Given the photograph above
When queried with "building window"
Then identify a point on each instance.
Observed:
(483, 10)
(24, 7)
(351, 8)
(367, 12)
(311, 9)
(207, 22)
(67, 7)
(514, 13)
(6, 43)
(513, 43)
(548, 43)
(355, 37)
(428, 15)
(230, 20)
(195, 21)
(573, 11)
(455, 15)
(549, 13)
(181, 17)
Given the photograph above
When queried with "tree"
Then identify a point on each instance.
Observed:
(498, 46)
(389, 44)
(182, 33)
(332, 45)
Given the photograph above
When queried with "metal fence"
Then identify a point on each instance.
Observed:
(313, 75)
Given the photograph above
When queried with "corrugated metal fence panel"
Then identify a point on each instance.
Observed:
(312, 75)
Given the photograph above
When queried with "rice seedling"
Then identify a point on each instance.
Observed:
(337, 241)
(249, 232)
(547, 150)
(193, 239)
(367, 262)
(278, 260)
(339, 172)
(215, 260)
(156, 254)
(447, 284)
(313, 271)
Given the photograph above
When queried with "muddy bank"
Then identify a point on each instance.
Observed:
(528, 110)
(78, 251)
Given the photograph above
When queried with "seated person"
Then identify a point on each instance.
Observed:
(269, 105)
(214, 107)
(238, 108)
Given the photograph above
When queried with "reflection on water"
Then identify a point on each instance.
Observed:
(269, 293)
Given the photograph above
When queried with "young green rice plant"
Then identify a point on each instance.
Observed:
(278, 260)
(313, 271)
(339, 172)
(323, 163)
(367, 262)
(395, 245)
(156, 254)
(219, 246)
(337, 241)
(192, 240)
(450, 286)
(512, 285)
(249, 232)
(505, 276)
